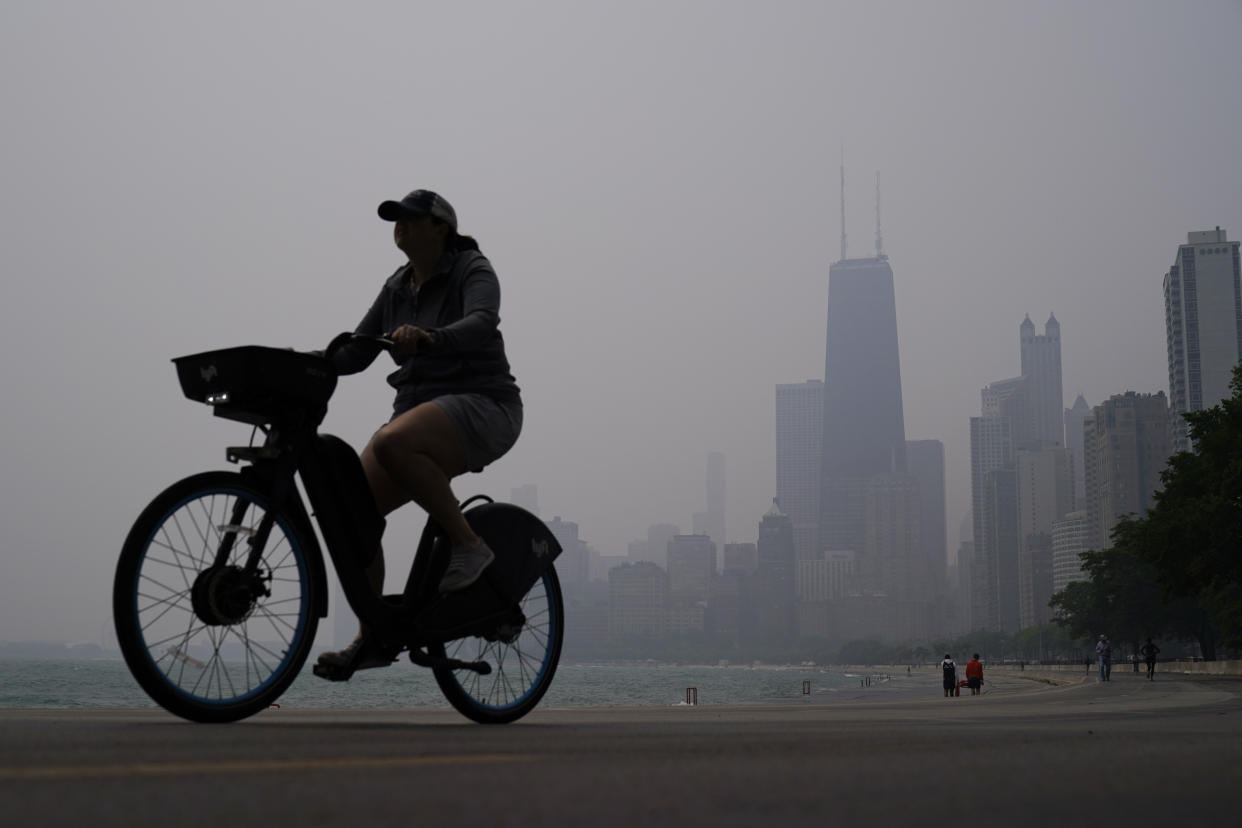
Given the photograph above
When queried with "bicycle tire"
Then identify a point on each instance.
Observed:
(522, 670)
(184, 660)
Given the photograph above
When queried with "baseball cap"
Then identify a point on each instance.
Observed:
(420, 203)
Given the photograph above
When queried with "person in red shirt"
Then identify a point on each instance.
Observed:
(974, 675)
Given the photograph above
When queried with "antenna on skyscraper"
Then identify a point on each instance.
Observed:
(879, 240)
(842, 202)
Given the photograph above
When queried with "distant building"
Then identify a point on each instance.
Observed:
(1074, 418)
(864, 424)
(740, 557)
(1127, 445)
(691, 565)
(1203, 324)
(799, 442)
(1045, 489)
(925, 460)
(1070, 538)
(991, 449)
(573, 565)
(654, 547)
(1041, 363)
(637, 600)
(775, 610)
(526, 496)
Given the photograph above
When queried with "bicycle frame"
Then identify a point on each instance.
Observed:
(352, 527)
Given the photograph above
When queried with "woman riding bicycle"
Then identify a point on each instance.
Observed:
(457, 407)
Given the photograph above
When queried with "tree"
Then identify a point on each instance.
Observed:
(1193, 535)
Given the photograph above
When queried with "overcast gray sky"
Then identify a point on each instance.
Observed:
(657, 186)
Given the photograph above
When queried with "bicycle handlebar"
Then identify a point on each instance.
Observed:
(342, 339)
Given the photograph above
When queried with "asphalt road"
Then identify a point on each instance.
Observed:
(1167, 752)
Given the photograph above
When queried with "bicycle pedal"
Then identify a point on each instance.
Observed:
(332, 673)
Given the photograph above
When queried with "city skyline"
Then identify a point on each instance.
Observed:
(661, 205)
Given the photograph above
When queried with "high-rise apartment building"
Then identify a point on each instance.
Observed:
(991, 449)
(1041, 364)
(925, 461)
(1126, 444)
(776, 598)
(1045, 489)
(1203, 324)
(1074, 418)
(799, 442)
(1071, 536)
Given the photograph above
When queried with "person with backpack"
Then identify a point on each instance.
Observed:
(950, 675)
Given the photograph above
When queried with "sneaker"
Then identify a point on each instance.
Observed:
(466, 564)
(359, 654)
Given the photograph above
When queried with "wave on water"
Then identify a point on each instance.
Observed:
(67, 683)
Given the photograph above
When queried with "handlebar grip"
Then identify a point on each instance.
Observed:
(342, 339)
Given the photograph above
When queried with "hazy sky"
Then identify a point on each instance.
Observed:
(657, 186)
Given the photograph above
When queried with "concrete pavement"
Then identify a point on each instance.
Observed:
(1033, 754)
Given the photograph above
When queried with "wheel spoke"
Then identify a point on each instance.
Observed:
(235, 651)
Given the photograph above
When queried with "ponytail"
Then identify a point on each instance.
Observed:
(459, 242)
(456, 241)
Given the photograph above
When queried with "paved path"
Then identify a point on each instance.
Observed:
(1165, 752)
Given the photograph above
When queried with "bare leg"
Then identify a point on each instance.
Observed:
(413, 458)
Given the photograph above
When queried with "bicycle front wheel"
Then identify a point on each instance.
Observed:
(522, 667)
(207, 636)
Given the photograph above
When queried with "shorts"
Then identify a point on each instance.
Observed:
(950, 684)
(488, 427)
(974, 682)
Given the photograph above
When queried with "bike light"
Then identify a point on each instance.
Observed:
(218, 398)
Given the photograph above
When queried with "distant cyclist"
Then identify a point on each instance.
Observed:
(457, 406)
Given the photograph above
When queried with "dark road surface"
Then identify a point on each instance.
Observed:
(1162, 753)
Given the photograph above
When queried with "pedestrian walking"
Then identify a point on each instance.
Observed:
(1149, 654)
(1104, 655)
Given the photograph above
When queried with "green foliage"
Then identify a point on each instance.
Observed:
(1178, 569)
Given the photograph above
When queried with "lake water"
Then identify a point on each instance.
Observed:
(65, 683)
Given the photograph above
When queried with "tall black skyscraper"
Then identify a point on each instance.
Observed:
(864, 426)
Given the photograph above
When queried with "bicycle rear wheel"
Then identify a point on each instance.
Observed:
(522, 668)
(213, 643)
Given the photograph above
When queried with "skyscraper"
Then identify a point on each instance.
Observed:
(776, 610)
(1074, 418)
(799, 440)
(1203, 323)
(712, 521)
(864, 425)
(1127, 444)
(1041, 364)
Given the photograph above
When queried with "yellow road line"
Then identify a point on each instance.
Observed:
(11, 774)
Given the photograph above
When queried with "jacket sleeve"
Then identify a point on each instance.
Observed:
(480, 312)
(358, 356)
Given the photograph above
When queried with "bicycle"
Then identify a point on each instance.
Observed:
(221, 581)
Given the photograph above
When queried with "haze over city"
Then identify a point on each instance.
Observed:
(657, 185)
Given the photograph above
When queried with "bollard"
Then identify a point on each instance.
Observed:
(806, 688)
(692, 695)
